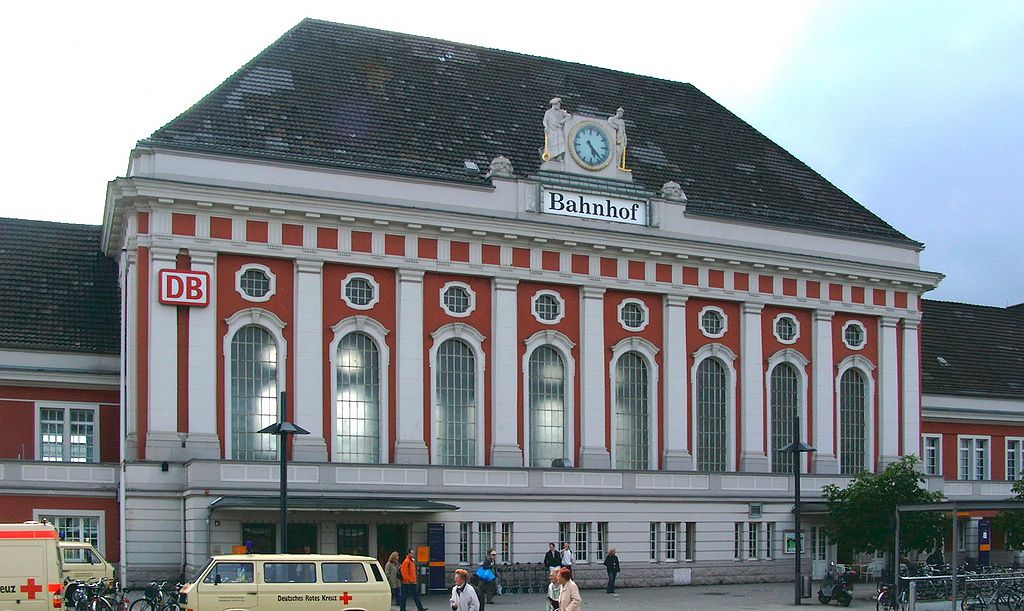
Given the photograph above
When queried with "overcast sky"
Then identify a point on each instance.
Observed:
(911, 107)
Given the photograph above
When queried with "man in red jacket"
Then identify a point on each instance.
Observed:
(410, 577)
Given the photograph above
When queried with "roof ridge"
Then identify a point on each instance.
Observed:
(12, 219)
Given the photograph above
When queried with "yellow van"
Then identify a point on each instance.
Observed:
(80, 560)
(288, 582)
(30, 573)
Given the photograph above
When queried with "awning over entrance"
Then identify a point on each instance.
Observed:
(813, 508)
(331, 503)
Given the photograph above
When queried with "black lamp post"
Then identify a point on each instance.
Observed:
(797, 447)
(284, 429)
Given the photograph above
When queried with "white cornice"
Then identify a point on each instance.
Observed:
(948, 408)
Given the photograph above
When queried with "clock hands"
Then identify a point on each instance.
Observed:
(592, 149)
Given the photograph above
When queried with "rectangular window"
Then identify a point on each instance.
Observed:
(963, 526)
(974, 461)
(753, 539)
(564, 534)
(671, 541)
(690, 544)
(68, 434)
(259, 538)
(769, 540)
(653, 542)
(737, 541)
(602, 541)
(932, 449)
(76, 528)
(582, 541)
(1014, 456)
(506, 541)
(465, 542)
(486, 534)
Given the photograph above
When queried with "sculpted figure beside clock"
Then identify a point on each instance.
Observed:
(554, 130)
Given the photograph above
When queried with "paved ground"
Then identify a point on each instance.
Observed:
(762, 596)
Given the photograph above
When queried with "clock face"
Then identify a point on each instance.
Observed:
(591, 147)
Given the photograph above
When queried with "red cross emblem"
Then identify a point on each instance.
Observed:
(32, 589)
(345, 598)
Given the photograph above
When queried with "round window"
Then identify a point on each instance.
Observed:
(785, 329)
(712, 322)
(255, 283)
(547, 307)
(456, 300)
(633, 315)
(359, 291)
(853, 335)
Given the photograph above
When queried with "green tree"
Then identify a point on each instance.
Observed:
(1011, 523)
(861, 516)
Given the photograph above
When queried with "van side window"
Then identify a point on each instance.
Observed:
(344, 572)
(230, 572)
(289, 572)
(376, 572)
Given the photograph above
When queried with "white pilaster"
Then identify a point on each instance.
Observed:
(888, 392)
(202, 441)
(162, 441)
(594, 454)
(307, 396)
(130, 318)
(677, 455)
(911, 388)
(505, 451)
(410, 447)
(753, 457)
(825, 460)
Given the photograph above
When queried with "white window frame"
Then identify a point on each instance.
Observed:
(361, 276)
(738, 536)
(550, 293)
(480, 528)
(67, 407)
(465, 543)
(505, 544)
(796, 327)
(648, 352)
(689, 541)
(863, 331)
(799, 363)
(376, 332)
(99, 515)
(770, 530)
(601, 541)
(1018, 460)
(753, 540)
(972, 462)
(272, 324)
(654, 542)
(643, 308)
(564, 346)
(672, 539)
(469, 291)
(474, 339)
(725, 321)
(728, 359)
(263, 268)
(865, 367)
(938, 454)
(582, 542)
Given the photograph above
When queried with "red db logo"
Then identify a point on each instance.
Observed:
(184, 288)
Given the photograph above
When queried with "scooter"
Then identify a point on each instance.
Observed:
(836, 586)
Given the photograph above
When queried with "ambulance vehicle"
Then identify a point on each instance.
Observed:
(30, 571)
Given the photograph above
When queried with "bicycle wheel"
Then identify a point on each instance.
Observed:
(143, 604)
(1008, 600)
(101, 604)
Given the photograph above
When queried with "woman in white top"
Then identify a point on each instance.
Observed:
(554, 591)
(463, 595)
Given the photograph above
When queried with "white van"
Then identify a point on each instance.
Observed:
(30, 573)
(288, 582)
(80, 560)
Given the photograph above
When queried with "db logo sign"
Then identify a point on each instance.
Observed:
(184, 288)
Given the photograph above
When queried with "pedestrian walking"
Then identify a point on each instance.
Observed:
(410, 584)
(488, 576)
(611, 564)
(552, 559)
(569, 598)
(464, 597)
(567, 558)
(554, 589)
(391, 570)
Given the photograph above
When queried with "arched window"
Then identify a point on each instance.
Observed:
(632, 431)
(852, 422)
(253, 393)
(547, 406)
(358, 399)
(712, 416)
(456, 404)
(784, 394)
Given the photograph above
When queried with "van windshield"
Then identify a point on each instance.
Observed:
(194, 577)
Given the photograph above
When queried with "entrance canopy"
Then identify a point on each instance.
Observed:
(330, 503)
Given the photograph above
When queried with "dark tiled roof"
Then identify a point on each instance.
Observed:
(353, 97)
(982, 346)
(57, 290)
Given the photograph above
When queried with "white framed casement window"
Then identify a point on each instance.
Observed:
(360, 291)
(974, 462)
(769, 540)
(465, 542)
(549, 381)
(671, 541)
(653, 551)
(359, 358)
(786, 329)
(1014, 458)
(690, 541)
(634, 382)
(713, 322)
(713, 395)
(854, 334)
(602, 541)
(582, 541)
(548, 307)
(485, 532)
(458, 299)
(633, 315)
(67, 432)
(457, 370)
(505, 549)
(855, 393)
(77, 525)
(255, 282)
(737, 541)
(564, 535)
(931, 453)
(787, 392)
(753, 539)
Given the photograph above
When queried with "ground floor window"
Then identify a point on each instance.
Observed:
(564, 534)
(259, 538)
(690, 545)
(769, 540)
(75, 527)
(583, 542)
(602, 541)
(737, 541)
(465, 541)
(654, 542)
(486, 536)
(671, 541)
(506, 541)
(753, 536)
(354, 539)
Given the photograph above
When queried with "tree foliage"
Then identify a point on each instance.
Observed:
(1011, 523)
(861, 517)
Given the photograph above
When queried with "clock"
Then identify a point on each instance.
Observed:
(590, 146)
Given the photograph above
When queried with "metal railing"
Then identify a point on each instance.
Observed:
(972, 586)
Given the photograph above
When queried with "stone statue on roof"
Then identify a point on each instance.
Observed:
(501, 167)
(619, 125)
(554, 131)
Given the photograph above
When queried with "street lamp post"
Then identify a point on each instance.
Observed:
(283, 428)
(797, 447)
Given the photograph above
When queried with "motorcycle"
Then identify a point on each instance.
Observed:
(837, 585)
